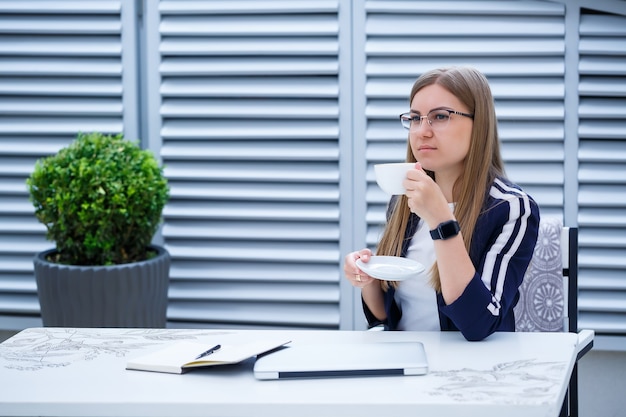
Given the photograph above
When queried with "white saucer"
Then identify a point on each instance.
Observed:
(390, 268)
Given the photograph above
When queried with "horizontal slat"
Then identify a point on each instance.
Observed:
(594, 237)
(266, 231)
(248, 130)
(604, 86)
(245, 251)
(603, 45)
(34, 146)
(256, 151)
(60, 46)
(602, 108)
(598, 195)
(532, 132)
(250, 109)
(266, 292)
(491, 66)
(601, 257)
(14, 283)
(605, 129)
(249, 25)
(243, 46)
(60, 7)
(602, 173)
(602, 25)
(19, 304)
(539, 152)
(467, 8)
(60, 125)
(488, 46)
(601, 65)
(21, 225)
(601, 217)
(250, 86)
(43, 86)
(283, 172)
(286, 66)
(15, 166)
(284, 211)
(602, 301)
(252, 191)
(535, 173)
(56, 66)
(246, 7)
(527, 88)
(603, 323)
(468, 25)
(285, 314)
(20, 261)
(386, 152)
(602, 279)
(48, 106)
(26, 244)
(602, 151)
(536, 111)
(61, 24)
(250, 271)
(501, 88)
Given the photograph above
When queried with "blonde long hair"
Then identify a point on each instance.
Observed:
(483, 162)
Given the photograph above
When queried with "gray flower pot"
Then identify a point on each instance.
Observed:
(128, 295)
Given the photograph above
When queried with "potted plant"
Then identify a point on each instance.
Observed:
(101, 200)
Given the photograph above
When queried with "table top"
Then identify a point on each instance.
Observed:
(81, 372)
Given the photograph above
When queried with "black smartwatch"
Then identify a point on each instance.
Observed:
(445, 230)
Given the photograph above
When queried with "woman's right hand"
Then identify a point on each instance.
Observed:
(353, 274)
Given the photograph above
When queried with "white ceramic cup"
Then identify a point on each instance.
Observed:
(389, 177)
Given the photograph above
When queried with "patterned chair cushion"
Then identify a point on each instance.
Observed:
(542, 304)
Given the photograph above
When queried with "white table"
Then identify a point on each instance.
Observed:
(81, 372)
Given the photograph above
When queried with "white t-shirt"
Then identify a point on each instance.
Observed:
(416, 297)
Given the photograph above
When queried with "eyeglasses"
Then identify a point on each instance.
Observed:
(437, 119)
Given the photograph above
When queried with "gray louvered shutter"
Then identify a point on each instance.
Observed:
(519, 45)
(249, 121)
(602, 172)
(62, 70)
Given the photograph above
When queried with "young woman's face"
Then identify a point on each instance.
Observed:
(442, 146)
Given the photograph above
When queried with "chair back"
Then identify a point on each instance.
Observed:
(549, 292)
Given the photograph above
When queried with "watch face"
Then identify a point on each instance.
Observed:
(449, 229)
(446, 230)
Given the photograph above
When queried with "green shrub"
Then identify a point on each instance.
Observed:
(101, 200)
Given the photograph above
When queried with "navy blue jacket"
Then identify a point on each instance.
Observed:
(501, 249)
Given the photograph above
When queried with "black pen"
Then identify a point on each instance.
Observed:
(208, 352)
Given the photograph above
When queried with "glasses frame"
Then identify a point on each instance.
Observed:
(405, 117)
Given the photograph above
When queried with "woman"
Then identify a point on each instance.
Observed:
(472, 228)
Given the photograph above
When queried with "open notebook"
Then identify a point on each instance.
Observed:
(343, 360)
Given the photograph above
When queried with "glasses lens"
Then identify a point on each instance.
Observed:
(405, 119)
(439, 118)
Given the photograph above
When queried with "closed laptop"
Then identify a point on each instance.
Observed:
(342, 360)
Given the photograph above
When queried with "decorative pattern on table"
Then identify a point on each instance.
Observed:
(53, 347)
(505, 383)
